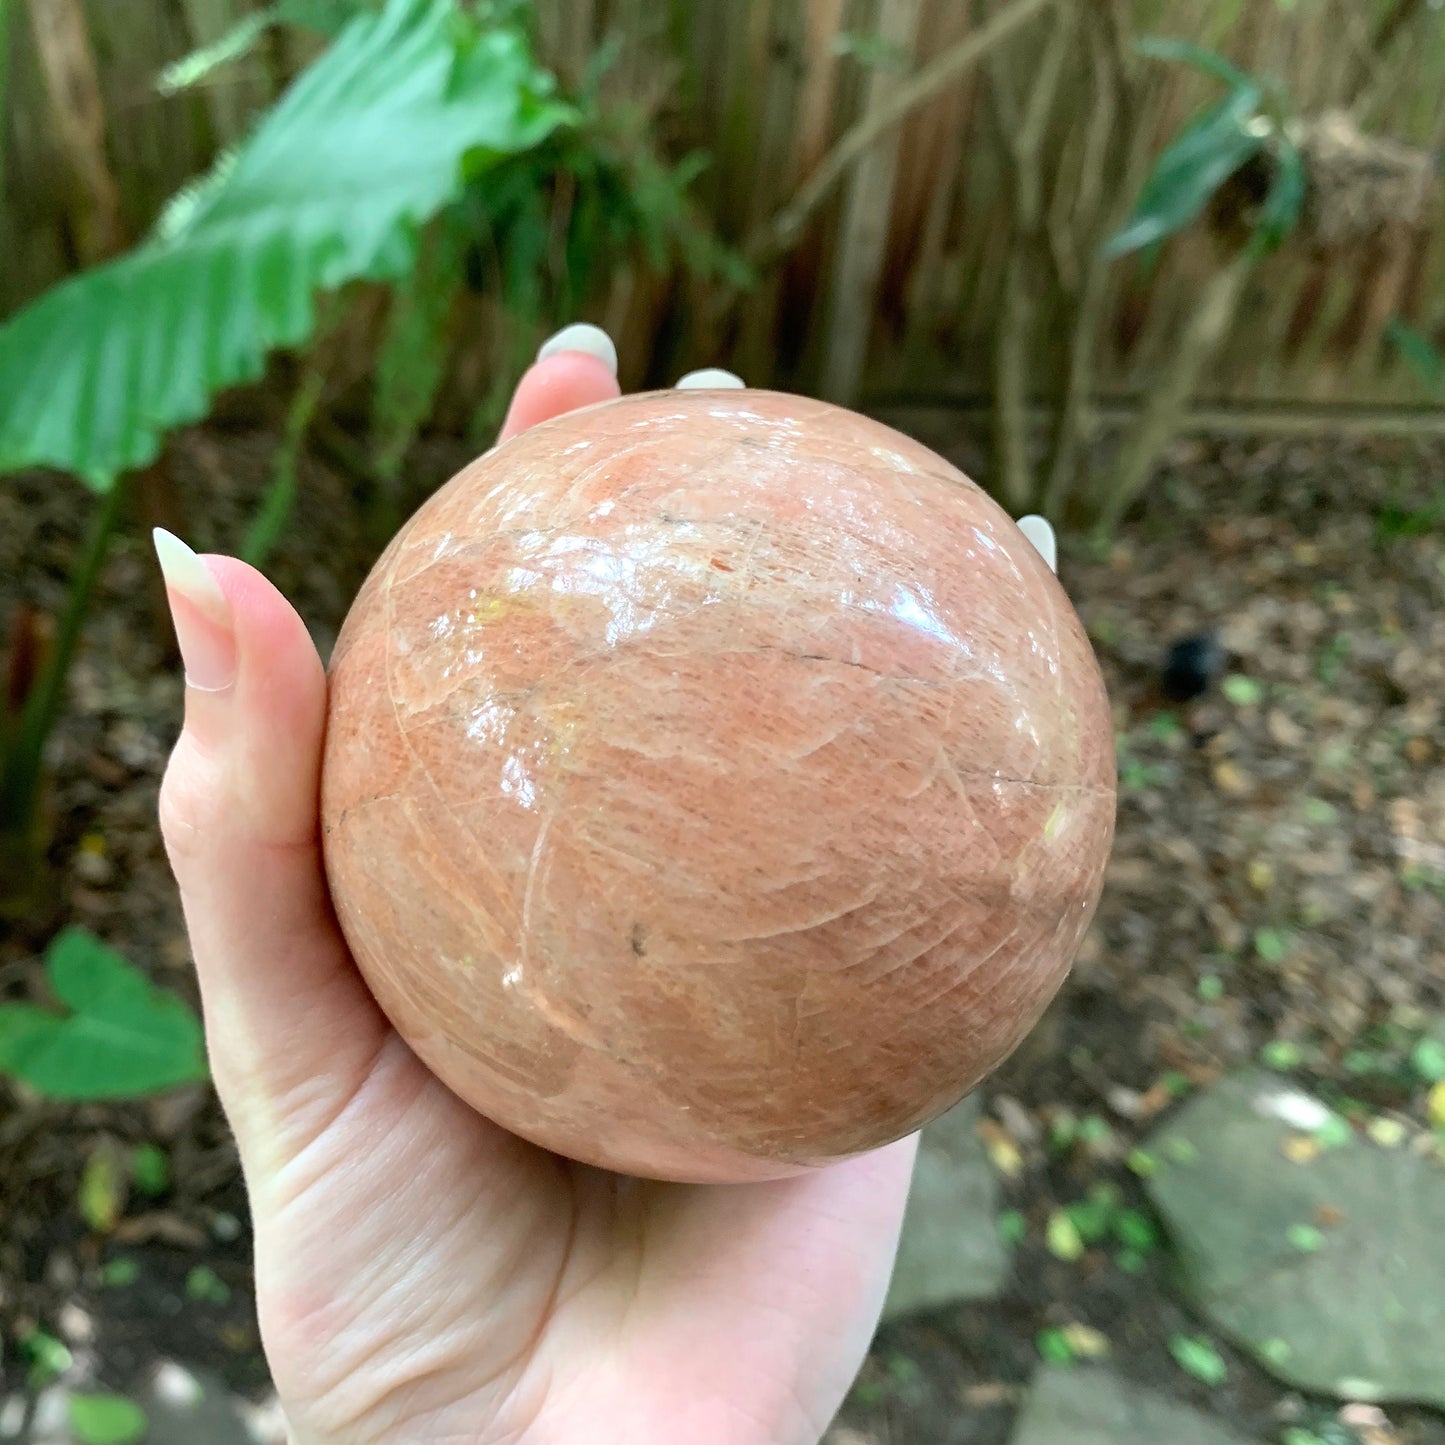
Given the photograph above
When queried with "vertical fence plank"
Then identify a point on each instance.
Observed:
(67, 60)
(914, 246)
(864, 233)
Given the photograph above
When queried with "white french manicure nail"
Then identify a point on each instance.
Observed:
(583, 337)
(711, 378)
(205, 628)
(1041, 534)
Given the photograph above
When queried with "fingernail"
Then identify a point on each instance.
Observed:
(591, 340)
(205, 631)
(1041, 534)
(710, 378)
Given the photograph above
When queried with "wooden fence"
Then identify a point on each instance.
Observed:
(893, 284)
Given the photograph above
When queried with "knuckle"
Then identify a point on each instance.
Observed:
(188, 808)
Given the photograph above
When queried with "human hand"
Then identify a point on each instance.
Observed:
(422, 1276)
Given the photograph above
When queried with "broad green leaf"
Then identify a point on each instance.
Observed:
(1192, 168)
(1421, 354)
(122, 1038)
(331, 188)
(1201, 57)
(106, 1420)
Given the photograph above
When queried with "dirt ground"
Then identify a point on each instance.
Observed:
(1279, 877)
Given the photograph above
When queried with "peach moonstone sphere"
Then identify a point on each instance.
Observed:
(717, 784)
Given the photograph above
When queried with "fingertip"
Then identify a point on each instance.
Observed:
(562, 382)
(269, 631)
(271, 719)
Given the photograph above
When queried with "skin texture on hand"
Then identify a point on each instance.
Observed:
(422, 1276)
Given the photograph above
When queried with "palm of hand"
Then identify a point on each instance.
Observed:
(423, 1276)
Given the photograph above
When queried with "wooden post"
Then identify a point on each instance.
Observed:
(864, 234)
(73, 85)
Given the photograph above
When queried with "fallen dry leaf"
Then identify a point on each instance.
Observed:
(1300, 1148)
(1006, 1155)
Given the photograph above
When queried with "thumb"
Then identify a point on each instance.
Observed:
(291, 1029)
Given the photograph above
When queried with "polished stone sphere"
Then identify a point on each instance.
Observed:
(717, 784)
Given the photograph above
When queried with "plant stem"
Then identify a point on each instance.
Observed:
(1021, 134)
(1168, 402)
(22, 767)
(776, 235)
(280, 499)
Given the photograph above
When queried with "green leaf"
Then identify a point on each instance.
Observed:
(1201, 57)
(1282, 1054)
(1281, 210)
(1092, 1216)
(102, 1189)
(49, 1358)
(1421, 354)
(1144, 1164)
(1211, 988)
(1199, 1358)
(1063, 1237)
(1333, 1133)
(1272, 945)
(1165, 727)
(122, 1038)
(366, 145)
(1054, 1347)
(1181, 1151)
(1012, 1227)
(1305, 1238)
(106, 1420)
(205, 1286)
(1428, 1060)
(1274, 1349)
(1135, 1231)
(119, 1272)
(1242, 691)
(150, 1168)
(1192, 168)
